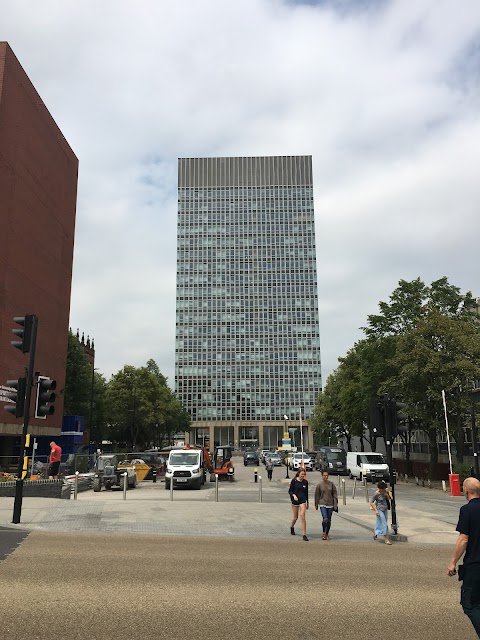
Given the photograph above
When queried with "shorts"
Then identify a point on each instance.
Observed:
(53, 468)
(297, 503)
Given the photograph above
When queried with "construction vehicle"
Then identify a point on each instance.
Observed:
(188, 466)
(109, 472)
(222, 464)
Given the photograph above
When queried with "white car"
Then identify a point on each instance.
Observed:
(298, 459)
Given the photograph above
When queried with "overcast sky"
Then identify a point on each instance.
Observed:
(385, 95)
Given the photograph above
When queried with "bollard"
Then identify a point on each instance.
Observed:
(171, 488)
(344, 492)
(338, 481)
(444, 485)
(154, 475)
(429, 483)
(125, 484)
(416, 480)
(365, 484)
(406, 479)
(260, 489)
(75, 489)
(255, 474)
(354, 487)
(216, 487)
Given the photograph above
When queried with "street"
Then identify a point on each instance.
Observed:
(108, 586)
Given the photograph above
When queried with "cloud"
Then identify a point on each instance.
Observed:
(384, 95)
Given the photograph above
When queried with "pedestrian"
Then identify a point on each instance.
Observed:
(269, 468)
(468, 543)
(298, 492)
(54, 460)
(327, 499)
(380, 503)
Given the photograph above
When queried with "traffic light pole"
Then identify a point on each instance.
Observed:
(17, 505)
(390, 413)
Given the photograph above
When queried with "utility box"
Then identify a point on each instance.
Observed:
(455, 489)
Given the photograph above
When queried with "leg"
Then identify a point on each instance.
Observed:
(328, 523)
(324, 521)
(470, 598)
(294, 515)
(384, 519)
(303, 509)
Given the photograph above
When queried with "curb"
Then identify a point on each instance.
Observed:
(397, 537)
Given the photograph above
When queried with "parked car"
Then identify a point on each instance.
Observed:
(263, 453)
(275, 458)
(299, 458)
(250, 457)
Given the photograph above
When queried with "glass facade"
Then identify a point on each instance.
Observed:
(247, 330)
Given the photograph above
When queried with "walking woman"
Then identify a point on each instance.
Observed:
(299, 496)
(326, 498)
(380, 503)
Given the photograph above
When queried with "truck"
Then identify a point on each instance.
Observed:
(109, 472)
(188, 466)
(332, 459)
(368, 465)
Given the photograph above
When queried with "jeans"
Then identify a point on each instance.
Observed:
(326, 518)
(381, 524)
(470, 595)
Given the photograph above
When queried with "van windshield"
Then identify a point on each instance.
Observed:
(188, 459)
(337, 455)
(372, 458)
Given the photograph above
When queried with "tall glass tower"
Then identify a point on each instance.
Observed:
(247, 365)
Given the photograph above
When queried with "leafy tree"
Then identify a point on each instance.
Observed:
(142, 409)
(78, 380)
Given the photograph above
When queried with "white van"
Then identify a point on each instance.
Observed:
(362, 464)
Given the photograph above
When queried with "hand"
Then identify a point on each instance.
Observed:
(451, 569)
(295, 497)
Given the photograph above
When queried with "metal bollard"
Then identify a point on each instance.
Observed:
(354, 487)
(255, 474)
(260, 489)
(125, 484)
(444, 486)
(344, 491)
(338, 481)
(154, 475)
(171, 488)
(429, 483)
(75, 486)
(216, 487)
(365, 484)
(416, 480)
(406, 479)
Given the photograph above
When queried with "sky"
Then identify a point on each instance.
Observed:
(384, 94)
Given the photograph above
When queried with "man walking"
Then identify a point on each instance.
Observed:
(468, 543)
(54, 460)
(269, 468)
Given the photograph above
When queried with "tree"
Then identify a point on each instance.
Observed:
(78, 379)
(142, 408)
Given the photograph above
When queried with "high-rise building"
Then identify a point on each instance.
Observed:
(38, 194)
(247, 329)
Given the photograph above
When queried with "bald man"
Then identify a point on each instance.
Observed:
(468, 543)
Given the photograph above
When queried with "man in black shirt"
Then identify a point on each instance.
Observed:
(468, 543)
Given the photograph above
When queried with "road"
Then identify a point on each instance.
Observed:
(78, 586)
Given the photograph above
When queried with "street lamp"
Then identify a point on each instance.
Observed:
(286, 431)
(475, 394)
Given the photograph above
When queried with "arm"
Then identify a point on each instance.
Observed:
(458, 552)
(373, 504)
(317, 496)
(306, 492)
(291, 490)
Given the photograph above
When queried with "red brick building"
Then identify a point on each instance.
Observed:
(38, 192)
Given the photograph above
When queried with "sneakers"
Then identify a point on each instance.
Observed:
(292, 531)
(305, 538)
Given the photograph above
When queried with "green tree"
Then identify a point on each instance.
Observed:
(143, 411)
(78, 379)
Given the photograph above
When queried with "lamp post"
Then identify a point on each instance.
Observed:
(286, 431)
(475, 394)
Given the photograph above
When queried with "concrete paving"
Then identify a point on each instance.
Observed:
(425, 515)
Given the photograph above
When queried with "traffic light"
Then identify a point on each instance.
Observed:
(397, 419)
(45, 397)
(18, 397)
(26, 333)
(377, 417)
